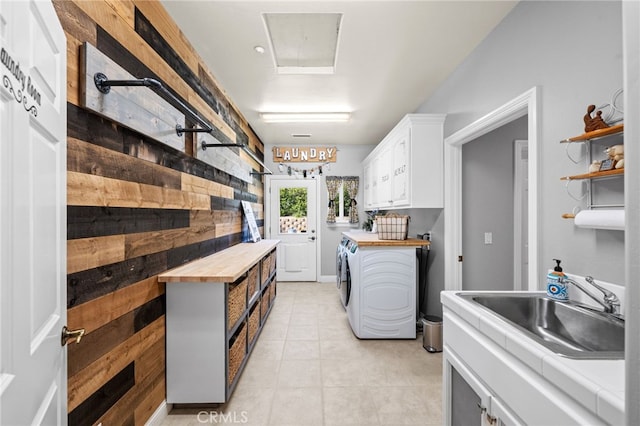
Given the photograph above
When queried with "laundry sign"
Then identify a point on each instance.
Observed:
(302, 154)
(24, 92)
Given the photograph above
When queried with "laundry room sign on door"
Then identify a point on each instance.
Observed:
(301, 154)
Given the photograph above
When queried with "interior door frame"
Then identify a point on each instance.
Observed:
(525, 104)
(267, 214)
(519, 146)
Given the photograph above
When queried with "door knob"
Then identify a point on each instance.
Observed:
(71, 335)
(312, 238)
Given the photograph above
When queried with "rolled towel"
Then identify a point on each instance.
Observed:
(600, 219)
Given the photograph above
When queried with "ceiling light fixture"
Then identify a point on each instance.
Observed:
(305, 117)
(259, 49)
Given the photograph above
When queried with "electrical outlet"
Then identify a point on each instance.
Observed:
(488, 237)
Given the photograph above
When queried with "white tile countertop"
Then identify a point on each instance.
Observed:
(596, 384)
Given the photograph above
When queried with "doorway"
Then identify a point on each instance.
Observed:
(291, 214)
(489, 211)
(525, 104)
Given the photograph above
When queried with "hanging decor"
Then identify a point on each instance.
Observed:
(302, 154)
(306, 172)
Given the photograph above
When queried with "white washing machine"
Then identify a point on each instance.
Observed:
(382, 303)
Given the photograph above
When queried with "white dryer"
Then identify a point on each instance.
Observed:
(383, 292)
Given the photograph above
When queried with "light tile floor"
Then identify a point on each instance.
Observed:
(308, 368)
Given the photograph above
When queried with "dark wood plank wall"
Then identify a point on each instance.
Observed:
(137, 207)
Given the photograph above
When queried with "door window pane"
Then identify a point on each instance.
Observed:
(293, 210)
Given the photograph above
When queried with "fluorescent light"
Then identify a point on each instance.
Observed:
(305, 117)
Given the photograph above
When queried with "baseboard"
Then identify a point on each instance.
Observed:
(327, 278)
(161, 413)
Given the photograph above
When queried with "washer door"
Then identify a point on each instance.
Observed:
(346, 284)
(339, 266)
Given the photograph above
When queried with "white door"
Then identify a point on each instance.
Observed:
(33, 382)
(293, 205)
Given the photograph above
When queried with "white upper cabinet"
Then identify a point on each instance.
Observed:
(405, 169)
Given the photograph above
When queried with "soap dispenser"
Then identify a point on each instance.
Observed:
(555, 288)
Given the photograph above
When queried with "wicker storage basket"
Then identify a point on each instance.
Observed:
(266, 268)
(254, 322)
(272, 292)
(264, 304)
(237, 302)
(272, 262)
(392, 226)
(253, 283)
(237, 351)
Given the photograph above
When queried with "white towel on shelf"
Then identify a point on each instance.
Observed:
(600, 219)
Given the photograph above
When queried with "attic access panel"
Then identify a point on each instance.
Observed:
(304, 43)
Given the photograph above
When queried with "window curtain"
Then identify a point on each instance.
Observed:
(351, 184)
(333, 184)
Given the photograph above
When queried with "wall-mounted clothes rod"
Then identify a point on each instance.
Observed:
(243, 147)
(104, 86)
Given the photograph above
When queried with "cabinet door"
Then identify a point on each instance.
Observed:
(367, 177)
(385, 175)
(400, 193)
(467, 398)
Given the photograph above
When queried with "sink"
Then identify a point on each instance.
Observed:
(566, 328)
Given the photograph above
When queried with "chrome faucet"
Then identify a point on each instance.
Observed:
(610, 302)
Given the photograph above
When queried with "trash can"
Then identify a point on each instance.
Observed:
(432, 333)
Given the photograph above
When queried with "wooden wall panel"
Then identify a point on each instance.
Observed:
(106, 309)
(87, 253)
(137, 207)
(89, 380)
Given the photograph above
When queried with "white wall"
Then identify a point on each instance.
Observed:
(573, 52)
(348, 162)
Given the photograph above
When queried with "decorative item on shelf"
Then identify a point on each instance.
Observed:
(616, 153)
(607, 164)
(594, 166)
(593, 123)
(369, 225)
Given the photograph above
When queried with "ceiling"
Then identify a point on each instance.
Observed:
(390, 57)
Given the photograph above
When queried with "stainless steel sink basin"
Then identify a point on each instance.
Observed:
(567, 329)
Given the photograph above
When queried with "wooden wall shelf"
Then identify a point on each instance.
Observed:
(618, 128)
(596, 175)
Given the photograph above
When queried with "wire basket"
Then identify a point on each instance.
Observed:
(392, 226)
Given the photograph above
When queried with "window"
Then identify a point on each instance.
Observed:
(342, 192)
(341, 204)
(293, 210)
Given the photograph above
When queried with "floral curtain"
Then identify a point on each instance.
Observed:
(333, 184)
(351, 184)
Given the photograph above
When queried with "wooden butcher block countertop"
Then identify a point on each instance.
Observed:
(367, 239)
(222, 267)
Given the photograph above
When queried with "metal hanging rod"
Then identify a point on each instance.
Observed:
(103, 84)
(243, 147)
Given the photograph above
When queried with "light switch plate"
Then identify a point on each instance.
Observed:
(488, 237)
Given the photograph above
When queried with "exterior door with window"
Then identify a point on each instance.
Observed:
(292, 207)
